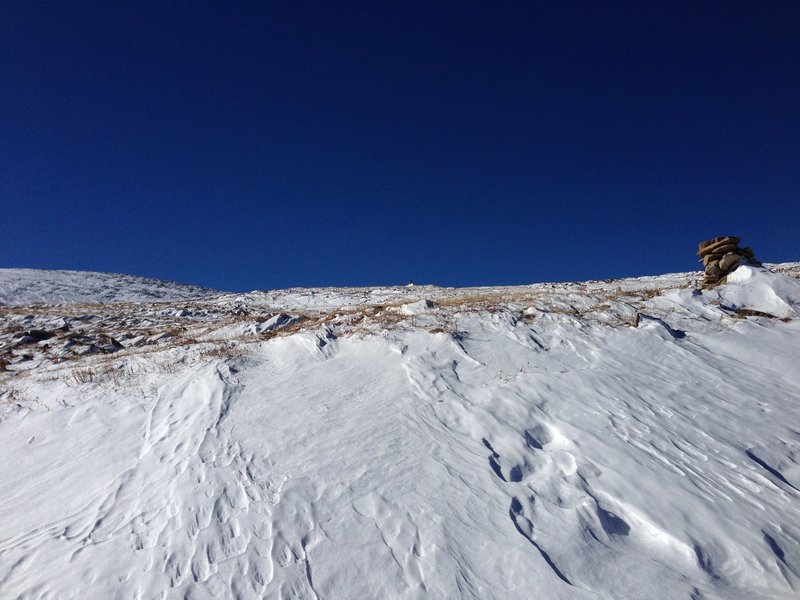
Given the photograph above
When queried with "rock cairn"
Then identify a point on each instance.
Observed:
(721, 256)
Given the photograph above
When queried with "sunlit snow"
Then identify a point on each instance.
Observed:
(610, 439)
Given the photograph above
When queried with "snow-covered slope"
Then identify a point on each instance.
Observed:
(621, 439)
(33, 286)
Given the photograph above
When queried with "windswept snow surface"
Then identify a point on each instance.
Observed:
(32, 286)
(621, 439)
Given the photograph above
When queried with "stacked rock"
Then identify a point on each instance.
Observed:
(722, 256)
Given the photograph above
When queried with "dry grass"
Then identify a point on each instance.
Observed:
(743, 313)
(220, 351)
(213, 332)
(101, 374)
(13, 396)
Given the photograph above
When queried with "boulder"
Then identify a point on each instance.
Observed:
(713, 270)
(729, 262)
(34, 336)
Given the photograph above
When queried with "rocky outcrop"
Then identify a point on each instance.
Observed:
(722, 256)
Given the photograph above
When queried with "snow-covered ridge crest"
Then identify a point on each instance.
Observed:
(634, 438)
(34, 286)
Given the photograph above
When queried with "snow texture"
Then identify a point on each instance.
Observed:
(632, 438)
(31, 286)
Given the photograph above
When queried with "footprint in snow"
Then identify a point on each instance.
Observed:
(525, 527)
(542, 454)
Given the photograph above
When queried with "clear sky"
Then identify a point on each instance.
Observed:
(268, 145)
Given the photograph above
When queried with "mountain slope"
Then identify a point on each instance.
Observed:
(621, 439)
(33, 286)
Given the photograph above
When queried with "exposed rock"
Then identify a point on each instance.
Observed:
(729, 262)
(34, 336)
(723, 249)
(108, 344)
(702, 245)
(721, 256)
(710, 246)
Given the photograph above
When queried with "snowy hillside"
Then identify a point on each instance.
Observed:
(32, 286)
(619, 439)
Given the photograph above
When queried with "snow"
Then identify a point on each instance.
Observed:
(32, 286)
(622, 439)
(417, 308)
(758, 289)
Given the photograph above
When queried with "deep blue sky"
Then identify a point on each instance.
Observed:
(266, 145)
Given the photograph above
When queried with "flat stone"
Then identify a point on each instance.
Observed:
(707, 243)
(709, 258)
(721, 249)
(728, 239)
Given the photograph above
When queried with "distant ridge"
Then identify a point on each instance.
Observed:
(35, 286)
